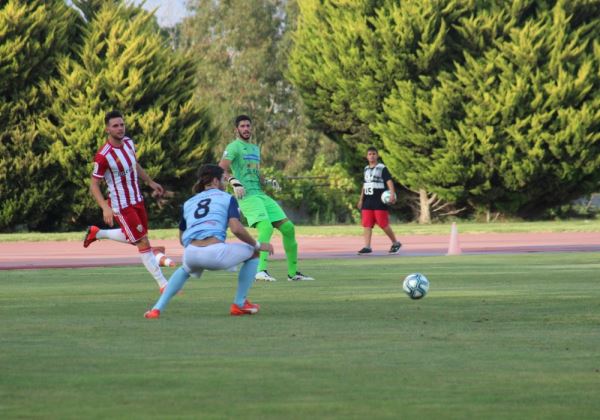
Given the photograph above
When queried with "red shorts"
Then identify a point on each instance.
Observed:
(133, 221)
(370, 217)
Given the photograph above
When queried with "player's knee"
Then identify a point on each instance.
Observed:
(264, 228)
(142, 244)
(251, 264)
(287, 229)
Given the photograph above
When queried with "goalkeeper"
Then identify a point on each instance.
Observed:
(241, 162)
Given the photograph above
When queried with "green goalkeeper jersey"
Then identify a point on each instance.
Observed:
(245, 163)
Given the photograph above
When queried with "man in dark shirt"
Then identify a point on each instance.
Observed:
(373, 210)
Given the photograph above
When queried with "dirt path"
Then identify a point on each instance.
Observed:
(23, 255)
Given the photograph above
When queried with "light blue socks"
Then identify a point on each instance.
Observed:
(245, 280)
(176, 282)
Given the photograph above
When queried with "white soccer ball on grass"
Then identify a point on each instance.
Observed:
(415, 286)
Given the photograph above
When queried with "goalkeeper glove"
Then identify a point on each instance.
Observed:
(238, 188)
(273, 184)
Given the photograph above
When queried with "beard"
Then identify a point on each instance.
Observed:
(244, 136)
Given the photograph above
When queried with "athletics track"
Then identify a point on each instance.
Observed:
(71, 254)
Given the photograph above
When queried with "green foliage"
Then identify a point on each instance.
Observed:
(326, 193)
(34, 37)
(326, 65)
(240, 48)
(124, 63)
(529, 121)
(345, 76)
(492, 104)
(89, 8)
(420, 42)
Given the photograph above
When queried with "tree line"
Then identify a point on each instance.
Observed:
(477, 107)
(62, 70)
(487, 106)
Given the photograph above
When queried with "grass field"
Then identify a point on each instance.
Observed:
(498, 336)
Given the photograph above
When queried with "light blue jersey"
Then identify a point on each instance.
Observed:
(207, 214)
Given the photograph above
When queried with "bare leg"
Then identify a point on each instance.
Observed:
(390, 233)
(367, 233)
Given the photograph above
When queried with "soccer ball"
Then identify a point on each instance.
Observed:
(416, 285)
(386, 197)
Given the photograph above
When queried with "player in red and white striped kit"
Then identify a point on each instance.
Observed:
(116, 164)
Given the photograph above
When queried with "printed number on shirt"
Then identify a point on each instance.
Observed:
(202, 209)
(368, 190)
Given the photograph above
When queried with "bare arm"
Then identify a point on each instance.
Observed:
(226, 165)
(107, 213)
(390, 185)
(238, 188)
(362, 196)
(156, 187)
(242, 234)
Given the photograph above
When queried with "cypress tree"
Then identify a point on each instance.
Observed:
(530, 107)
(125, 63)
(355, 64)
(34, 36)
(326, 64)
(412, 44)
(487, 103)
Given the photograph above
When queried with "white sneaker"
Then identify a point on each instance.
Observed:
(264, 275)
(299, 277)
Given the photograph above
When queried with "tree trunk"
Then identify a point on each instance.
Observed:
(425, 214)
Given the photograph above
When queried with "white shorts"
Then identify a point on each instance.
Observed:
(220, 256)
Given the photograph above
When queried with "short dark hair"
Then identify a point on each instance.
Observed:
(112, 114)
(241, 118)
(206, 173)
(372, 149)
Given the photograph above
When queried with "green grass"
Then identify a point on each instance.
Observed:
(356, 230)
(500, 336)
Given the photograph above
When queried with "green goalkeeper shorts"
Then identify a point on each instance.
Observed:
(259, 207)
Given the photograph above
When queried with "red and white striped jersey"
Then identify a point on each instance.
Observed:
(117, 166)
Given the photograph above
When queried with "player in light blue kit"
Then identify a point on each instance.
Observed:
(202, 232)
